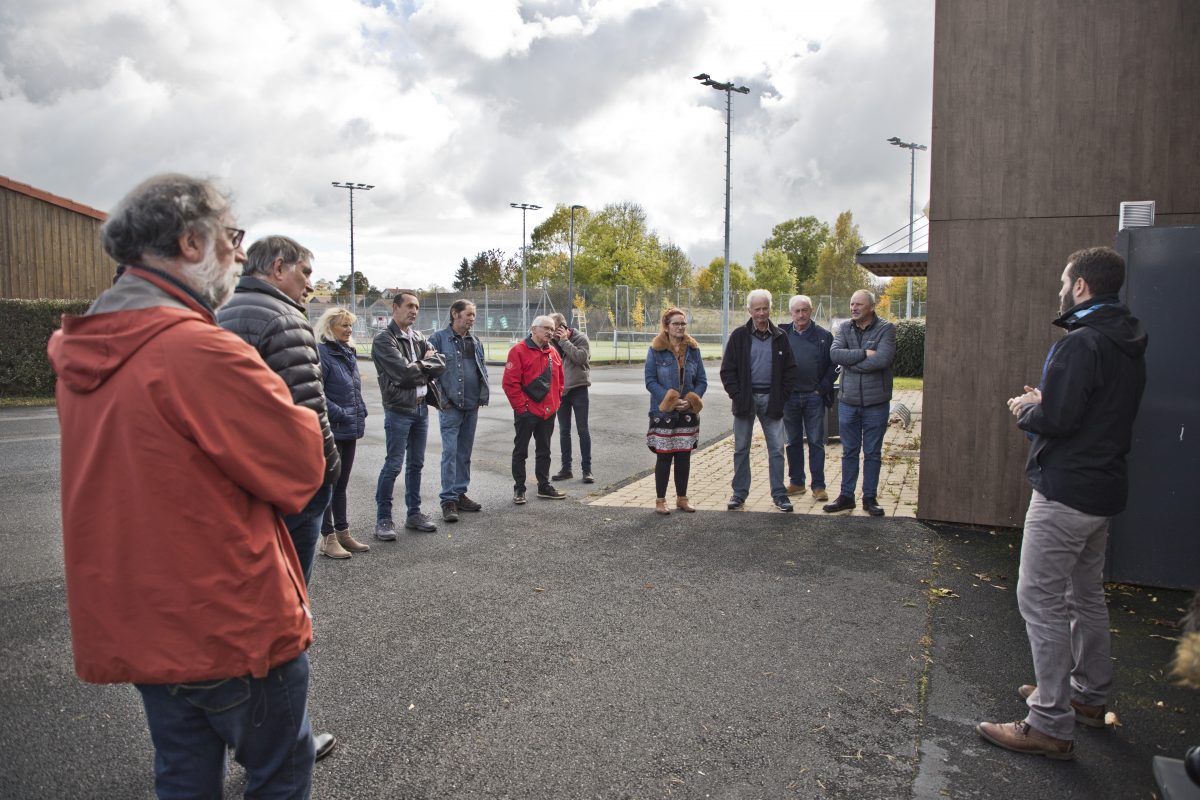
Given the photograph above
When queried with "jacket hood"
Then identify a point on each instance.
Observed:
(663, 342)
(1108, 316)
(89, 349)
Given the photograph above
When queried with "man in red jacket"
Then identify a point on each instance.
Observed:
(180, 450)
(533, 381)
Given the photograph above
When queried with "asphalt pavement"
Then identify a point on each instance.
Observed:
(560, 650)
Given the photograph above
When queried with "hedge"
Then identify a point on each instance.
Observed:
(25, 328)
(910, 349)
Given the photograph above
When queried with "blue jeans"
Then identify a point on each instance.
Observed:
(804, 416)
(264, 721)
(862, 428)
(405, 433)
(743, 436)
(458, 437)
(305, 528)
(575, 400)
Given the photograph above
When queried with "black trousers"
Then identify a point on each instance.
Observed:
(541, 430)
(335, 512)
(662, 472)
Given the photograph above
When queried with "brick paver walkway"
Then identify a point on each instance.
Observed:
(712, 470)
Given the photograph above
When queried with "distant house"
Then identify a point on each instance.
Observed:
(50, 246)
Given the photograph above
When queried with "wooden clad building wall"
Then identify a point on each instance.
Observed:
(1046, 115)
(49, 246)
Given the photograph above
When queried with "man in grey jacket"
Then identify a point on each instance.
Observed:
(864, 346)
(405, 362)
(572, 345)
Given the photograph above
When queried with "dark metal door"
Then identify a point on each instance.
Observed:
(1156, 540)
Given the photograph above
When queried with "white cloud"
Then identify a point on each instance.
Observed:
(457, 108)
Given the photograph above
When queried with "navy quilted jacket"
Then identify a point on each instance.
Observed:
(343, 391)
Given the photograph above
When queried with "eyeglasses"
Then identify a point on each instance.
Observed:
(677, 324)
(236, 235)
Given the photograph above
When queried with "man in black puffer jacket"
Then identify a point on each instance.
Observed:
(267, 311)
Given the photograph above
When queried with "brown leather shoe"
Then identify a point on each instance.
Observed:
(347, 541)
(795, 489)
(820, 495)
(1021, 738)
(660, 506)
(682, 504)
(1091, 716)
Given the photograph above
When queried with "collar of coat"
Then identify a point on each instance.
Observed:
(663, 341)
(532, 345)
(772, 328)
(253, 283)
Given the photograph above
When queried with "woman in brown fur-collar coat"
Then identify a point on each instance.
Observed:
(676, 381)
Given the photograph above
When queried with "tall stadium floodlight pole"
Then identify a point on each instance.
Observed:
(353, 187)
(524, 300)
(912, 149)
(727, 88)
(571, 265)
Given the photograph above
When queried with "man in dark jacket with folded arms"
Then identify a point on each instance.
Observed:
(1080, 418)
(405, 363)
(267, 312)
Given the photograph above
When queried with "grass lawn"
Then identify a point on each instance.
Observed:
(25, 402)
(909, 383)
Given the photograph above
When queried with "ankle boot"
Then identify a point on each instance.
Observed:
(683, 505)
(660, 506)
(330, 547)
(350, 543)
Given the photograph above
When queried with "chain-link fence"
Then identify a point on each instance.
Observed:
(620, 321)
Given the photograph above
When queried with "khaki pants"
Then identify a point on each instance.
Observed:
(1060, 592)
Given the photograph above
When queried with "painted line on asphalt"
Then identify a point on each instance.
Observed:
(10, 439)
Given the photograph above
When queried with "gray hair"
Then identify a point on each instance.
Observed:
(151, 219)
(870, 296)
(559, 319)
(757, 294)
(262, 254)
(544, 319)
(324, 327)
(797, 299)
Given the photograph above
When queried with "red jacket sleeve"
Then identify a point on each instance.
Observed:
(514, 370)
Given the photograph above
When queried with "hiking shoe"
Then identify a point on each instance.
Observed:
(783, 504)
(420, 522)
(385, 531)
(871, 507)
(467, 504)
(795, 489)
(548, 492)
(842, 503)
(450, 511)
(735, 503)
(819, 494)
(587, 476)
(564, 474)
(1091, 716)
(1020, 737)
(519, 497)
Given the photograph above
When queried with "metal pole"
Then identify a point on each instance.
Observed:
(912, 189)
(571, 269)
(728, 153)
(524, 297)
(353, 187)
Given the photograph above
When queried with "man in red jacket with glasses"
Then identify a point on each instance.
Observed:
(533, 381)
(180, 450)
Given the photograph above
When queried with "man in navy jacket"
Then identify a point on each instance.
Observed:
(804, 414)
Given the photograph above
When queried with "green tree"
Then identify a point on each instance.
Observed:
(896, 291)
(837, 273)
(773, 272)
(710, 282)
(362, 288)
(677, 269)
(617, 246)
(801, 239)
(487, 268)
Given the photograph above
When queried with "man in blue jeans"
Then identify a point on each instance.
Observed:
(576, 353)
(864, 346)
(758, 372)
(464, 388)
(804, 414)
(405, 363)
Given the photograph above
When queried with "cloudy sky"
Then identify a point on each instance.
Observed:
(455, 108)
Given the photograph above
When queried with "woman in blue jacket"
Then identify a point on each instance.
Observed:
(347, 418)
(676, 381)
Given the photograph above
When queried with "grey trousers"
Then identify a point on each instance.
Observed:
(1060, 592)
